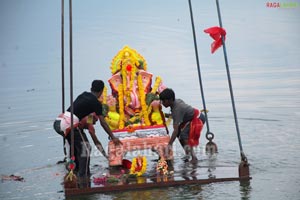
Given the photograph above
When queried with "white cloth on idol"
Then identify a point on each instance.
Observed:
(65, 121)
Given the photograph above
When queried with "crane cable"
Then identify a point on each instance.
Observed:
(243, 157)
(211, 146)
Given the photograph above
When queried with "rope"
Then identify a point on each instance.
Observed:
(70, 176)
(230, 87)
(199, 73)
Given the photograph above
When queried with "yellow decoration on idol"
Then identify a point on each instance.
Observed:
(138, 166)
(129, 54)
(156, 85)
(104, 94)
(143, 101)
(129, 76)
(113, 117)
(131, 84)
(155, 113)
(121, 107)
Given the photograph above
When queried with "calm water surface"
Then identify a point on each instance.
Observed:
(263, 54)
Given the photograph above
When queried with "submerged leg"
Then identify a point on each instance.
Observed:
(189, 151)
(83, 155)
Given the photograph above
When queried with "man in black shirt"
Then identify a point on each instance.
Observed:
(84, 105)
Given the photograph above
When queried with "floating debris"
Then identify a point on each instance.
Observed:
(12, 178)
(30, 90)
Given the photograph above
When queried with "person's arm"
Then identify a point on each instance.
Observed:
(105, 126)
(174, 134)
(96, 141)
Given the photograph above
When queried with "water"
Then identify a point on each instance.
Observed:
(263, 55)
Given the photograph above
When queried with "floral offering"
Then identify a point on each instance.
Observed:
(138, 166)
(162, 167)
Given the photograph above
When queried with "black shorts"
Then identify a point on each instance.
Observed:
(56, 127)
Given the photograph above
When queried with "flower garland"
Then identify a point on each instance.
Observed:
(130, 129)
(99, 180)
(156, 85)
(143, 101)
(104, 94)
(128, 72)
(124, 82)
(115, 64)
(138, 166)
(162, 167)
(121, 106)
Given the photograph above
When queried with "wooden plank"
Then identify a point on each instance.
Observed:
(141, 186)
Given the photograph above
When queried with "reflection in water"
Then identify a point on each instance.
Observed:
(194, 171)
(189, 171)
(182, 192)
(143, 194)
(245, 189)
(212, 162)
(195, 190)
(184, 172)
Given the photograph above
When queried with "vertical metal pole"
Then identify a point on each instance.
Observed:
(230, 86)
(71, 79)
(198, 64)
(211, 147)
(63, 57)
(63, 69)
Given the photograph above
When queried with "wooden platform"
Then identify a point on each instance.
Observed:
(189, 176)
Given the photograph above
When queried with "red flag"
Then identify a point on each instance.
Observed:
(216, 33)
